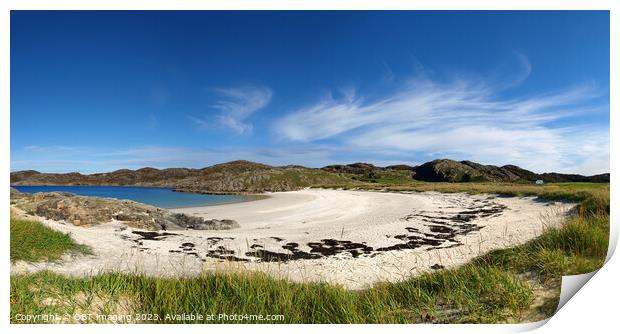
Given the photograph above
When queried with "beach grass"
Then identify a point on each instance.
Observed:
(475, 294)
(32, 241)
(519, 284)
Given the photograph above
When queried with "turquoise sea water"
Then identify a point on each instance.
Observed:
(160, 197)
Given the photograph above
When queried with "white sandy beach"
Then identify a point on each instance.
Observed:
(353, 238)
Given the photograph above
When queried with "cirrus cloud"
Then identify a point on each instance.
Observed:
(463, 119)
(235, 106)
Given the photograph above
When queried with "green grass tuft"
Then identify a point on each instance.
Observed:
(32, 241)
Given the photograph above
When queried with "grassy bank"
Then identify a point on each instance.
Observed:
(32, 241)
(511, 285)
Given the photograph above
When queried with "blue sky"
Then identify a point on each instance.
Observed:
(98, 91)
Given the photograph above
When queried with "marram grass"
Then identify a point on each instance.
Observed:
(32, 241)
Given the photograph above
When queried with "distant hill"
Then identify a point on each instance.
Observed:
(231, 177)
(249, 177)
(446, 170)
(356, 168)
(555, 177)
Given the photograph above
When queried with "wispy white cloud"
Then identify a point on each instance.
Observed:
(199, 122)
(526, 68)
(462, 119)
(238, 104)
(421, 119)
(510, 72)
(51, 148)
(235, 106)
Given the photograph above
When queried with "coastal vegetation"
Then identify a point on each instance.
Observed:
(518, 284)
(32, 241)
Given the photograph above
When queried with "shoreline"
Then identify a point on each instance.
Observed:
(172, 188)
(352, 238)
(247, 197)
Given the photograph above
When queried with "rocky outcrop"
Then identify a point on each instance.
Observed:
(520, 173)
(445, 170)
(90, 211)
